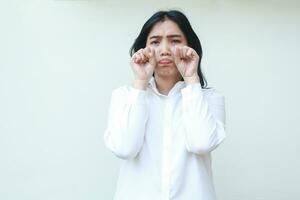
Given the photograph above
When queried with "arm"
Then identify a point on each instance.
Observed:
(128, 114)
(203, 118)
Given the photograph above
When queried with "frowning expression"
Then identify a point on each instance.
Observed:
(163, 38)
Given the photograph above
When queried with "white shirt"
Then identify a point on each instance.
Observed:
(165, 141)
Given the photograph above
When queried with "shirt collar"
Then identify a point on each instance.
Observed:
(175, 90)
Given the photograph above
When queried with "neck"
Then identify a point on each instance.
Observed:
(165, 84)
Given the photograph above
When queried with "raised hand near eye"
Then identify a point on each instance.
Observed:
(143, 63)
(186, 60)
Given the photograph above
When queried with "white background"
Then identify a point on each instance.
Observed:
(60, 60)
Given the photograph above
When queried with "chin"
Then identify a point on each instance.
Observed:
(167, 73)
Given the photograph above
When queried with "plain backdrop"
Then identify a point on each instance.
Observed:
(60, 60)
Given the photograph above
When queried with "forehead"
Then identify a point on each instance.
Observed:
(166, 27)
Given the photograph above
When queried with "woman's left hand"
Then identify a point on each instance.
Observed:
(186, 60)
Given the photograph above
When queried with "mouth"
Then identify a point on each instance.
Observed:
(165, 61)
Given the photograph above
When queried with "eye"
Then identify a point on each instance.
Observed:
(176, 41)
(154, 42)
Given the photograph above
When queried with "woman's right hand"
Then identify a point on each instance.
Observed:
(143, 63)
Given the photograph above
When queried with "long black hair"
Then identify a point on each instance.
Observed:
(181, 20)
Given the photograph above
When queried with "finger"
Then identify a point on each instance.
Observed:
(180, 52)
(176, 55)
(152, 58)
(151, 52)
(138, 54)
(189, 53)
(184, 52)
(145, 53)
(194, 54)
(133, 58)
(137, 57)
(141, 57)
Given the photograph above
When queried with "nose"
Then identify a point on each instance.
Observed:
(165, 49)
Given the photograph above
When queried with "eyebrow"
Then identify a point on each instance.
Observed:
(168, 36)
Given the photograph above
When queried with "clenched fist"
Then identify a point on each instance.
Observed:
(186, 60)
(143, 63)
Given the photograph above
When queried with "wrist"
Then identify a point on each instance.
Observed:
(140, 84)
(192, 79)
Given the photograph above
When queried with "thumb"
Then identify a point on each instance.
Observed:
(176, 55)
(152, 59)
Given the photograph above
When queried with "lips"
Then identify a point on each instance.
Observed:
(165, 61)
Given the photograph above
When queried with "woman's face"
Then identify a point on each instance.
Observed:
(163, 38)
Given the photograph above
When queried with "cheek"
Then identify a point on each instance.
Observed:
(172, 48)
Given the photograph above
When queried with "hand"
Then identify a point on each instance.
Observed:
(186, 60)
(143, 63)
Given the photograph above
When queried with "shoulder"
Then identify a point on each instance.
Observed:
(213, 95)
(127, 90)
(121, 90)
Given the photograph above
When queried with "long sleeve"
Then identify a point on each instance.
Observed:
(203, 118)
(127, 118)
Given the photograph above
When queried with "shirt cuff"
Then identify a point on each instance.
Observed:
(137, 96)
(191, 90)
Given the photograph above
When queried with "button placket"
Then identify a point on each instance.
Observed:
(166, 155)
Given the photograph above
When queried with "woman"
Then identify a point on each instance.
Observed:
(165, 125)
